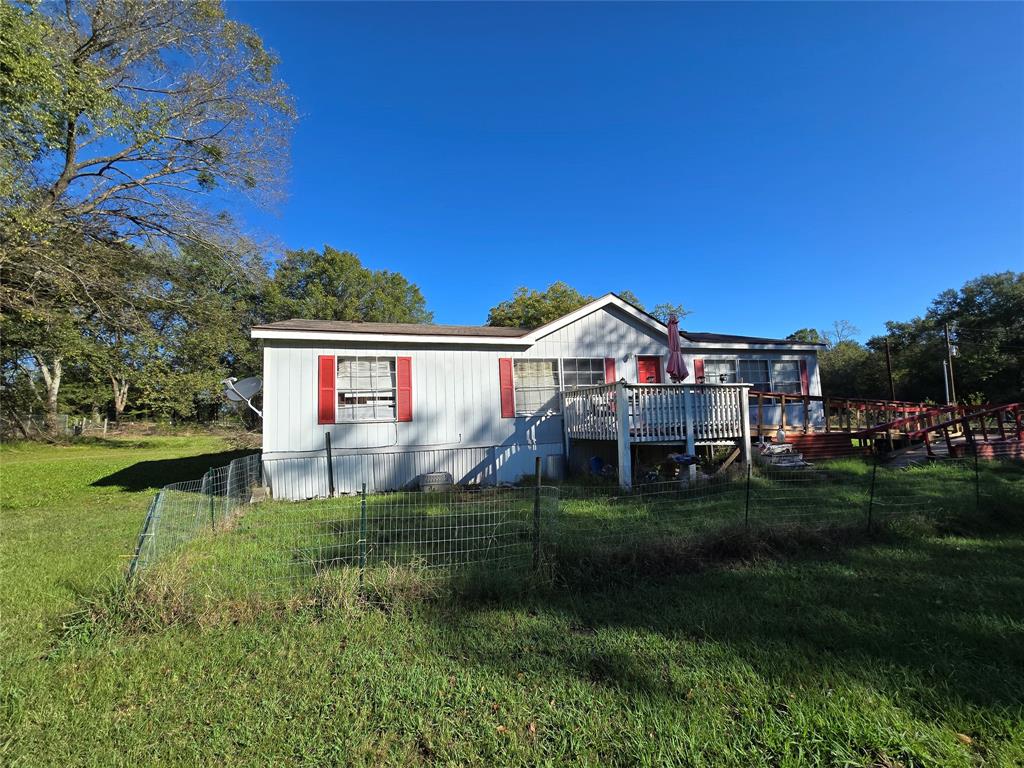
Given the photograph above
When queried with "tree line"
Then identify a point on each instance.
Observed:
(984, 323)
(984, 320)
(130, 130)
(181, 326)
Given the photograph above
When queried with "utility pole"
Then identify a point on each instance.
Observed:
(945, 380)
(949, 358)
(888, 367)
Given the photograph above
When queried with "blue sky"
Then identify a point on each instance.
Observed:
(769, 166)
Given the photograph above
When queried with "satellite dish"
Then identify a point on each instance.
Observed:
(243, 391)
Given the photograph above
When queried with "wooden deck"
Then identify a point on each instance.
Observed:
(660, 414)
(692, 414)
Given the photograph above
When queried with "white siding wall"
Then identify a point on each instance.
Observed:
(456, 407)
(456, 427)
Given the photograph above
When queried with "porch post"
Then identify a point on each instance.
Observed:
(622, 417)
(745, 427)
(565, 431)
(690, 410)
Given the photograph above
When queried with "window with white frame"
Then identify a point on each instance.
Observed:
(786, 376)
(582, 372)
(366, 389)
(755, 373)
(719, 371)
(537, 384)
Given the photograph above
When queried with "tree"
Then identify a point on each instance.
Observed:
(631, 297)
(196, 333)
(334, 285)
(841, 330)
(852, 370)
(35, 350)
(986, 320)
(807, 336)
(130, 114)
(121, 124)
(531, 308)
(664, 310)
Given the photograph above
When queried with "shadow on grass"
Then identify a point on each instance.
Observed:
(924, 620)
(928, 620)
(157, 473)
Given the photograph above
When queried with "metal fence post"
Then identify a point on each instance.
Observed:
(536, 513)
(362, 536)
(133, 566)
(330, 466)
(977, 481)
(213, 514)
(746, 504)
(871, 500)
(228, 490)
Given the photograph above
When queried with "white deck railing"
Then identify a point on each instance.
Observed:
(720, 412)
(589, 413)
(658, 413)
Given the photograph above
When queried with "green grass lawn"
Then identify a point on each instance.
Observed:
(902, 648)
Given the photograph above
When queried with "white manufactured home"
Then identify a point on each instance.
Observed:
(396, 401)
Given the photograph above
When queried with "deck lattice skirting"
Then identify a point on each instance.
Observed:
(687, 414)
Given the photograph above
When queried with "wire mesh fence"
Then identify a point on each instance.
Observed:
(182, 512)
(210, 532)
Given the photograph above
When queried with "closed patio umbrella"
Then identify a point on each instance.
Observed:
(675, 368)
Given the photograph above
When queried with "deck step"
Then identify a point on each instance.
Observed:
(1000, 449)
(825, 445)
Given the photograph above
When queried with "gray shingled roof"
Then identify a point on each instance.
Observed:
(411, 329)
(711, 338)
(423, 329)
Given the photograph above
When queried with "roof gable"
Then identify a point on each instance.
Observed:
(608, 300)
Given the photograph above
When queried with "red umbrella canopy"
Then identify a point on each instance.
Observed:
(676, 368)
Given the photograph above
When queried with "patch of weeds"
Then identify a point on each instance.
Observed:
(623, 562)
(914, 526)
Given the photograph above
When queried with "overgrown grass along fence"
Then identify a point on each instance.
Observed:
(208, 535)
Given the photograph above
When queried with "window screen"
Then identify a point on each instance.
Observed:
(755, 373)
(719, 371)
(366, 389)
(786, 376)
(536, 385)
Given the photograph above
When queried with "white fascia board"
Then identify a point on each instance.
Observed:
(390, 338)
(685, 344)
(608, 299)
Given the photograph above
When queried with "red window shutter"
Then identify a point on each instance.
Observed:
(403, 373)
(805, 385)
(508, 393)
(698, 370)
(328, 399)
(609, 370)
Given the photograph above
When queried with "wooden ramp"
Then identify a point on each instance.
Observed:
(995, 432)
(989, 432)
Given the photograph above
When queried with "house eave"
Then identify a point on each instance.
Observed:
(686, 344)
(391, 338)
